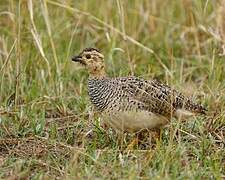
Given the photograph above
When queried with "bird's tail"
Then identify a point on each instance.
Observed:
(190, 108)
(194, 107)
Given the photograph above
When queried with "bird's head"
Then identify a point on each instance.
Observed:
(92, 60)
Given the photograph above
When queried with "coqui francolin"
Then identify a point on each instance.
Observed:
(132, 103)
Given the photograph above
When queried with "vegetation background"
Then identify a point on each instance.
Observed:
(46, 125)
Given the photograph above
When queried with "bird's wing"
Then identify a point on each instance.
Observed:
(153, 95)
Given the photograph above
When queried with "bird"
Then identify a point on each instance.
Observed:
(131, 103)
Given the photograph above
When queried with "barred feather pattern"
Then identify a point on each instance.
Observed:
(137, 94)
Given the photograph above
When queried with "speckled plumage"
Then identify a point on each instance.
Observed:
(132, 103)
(133, 93)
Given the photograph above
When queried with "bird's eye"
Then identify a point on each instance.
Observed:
(88, 56)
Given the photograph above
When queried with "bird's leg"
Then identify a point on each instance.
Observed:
(148, 137)
(157, 133)
(134, 142)
(144, 138)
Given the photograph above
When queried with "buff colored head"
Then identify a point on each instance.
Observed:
(92, 60)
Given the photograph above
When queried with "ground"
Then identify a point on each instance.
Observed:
(47, 126)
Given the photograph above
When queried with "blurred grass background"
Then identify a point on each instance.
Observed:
(47, 129)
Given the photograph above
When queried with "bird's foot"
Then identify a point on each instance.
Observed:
(148, 138)
(133, 143)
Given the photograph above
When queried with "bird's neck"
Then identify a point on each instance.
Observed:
(98, 73)
(97, 89)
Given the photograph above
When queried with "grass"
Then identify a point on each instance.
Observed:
(47, 128)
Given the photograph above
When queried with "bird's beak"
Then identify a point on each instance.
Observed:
(77, 58)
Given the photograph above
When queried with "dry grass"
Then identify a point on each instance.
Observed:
(47, 127)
